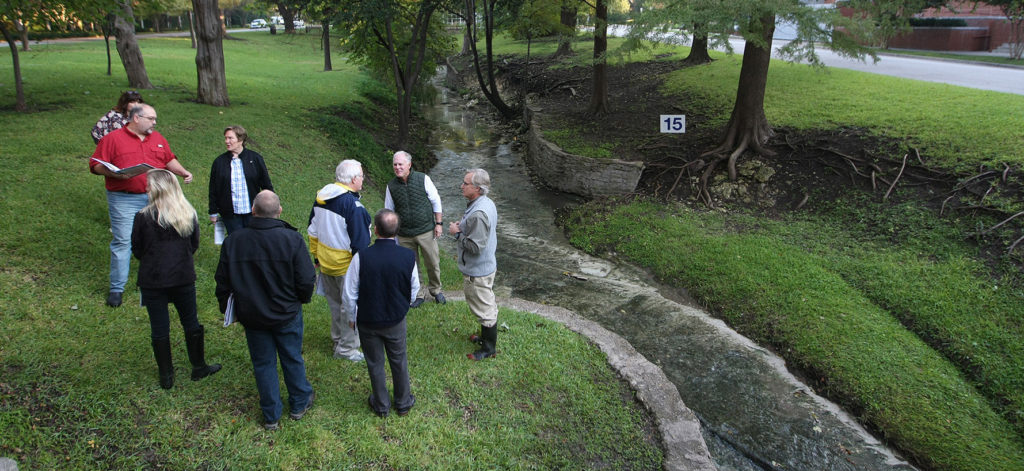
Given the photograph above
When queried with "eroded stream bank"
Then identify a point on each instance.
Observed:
(754, 414)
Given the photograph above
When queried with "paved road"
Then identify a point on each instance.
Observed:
(979, 75)
(965, 74)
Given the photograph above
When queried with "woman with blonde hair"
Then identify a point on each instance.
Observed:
(165, 236)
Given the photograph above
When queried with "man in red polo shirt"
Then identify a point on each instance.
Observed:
(135, 143)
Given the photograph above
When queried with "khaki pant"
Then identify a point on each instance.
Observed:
(427, 245)
(480, 297)
(345, 338)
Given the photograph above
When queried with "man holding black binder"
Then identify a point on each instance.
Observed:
(134, 144)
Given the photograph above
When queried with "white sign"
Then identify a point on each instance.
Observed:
(673, 123)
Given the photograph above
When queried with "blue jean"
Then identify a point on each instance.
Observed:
(235, 222)
(265, 346)
(184, 299)
(377, 343)
(122, 208)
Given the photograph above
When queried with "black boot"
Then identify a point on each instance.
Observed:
(488, 342)
(196, 345)
(162, 352)
(478, 338)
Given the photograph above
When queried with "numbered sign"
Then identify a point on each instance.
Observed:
(673, 123)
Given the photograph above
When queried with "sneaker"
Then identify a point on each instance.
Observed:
(271, 426)
(415, 304)
(355, 357)
(439, 298)
(114, 298)
(298, 415)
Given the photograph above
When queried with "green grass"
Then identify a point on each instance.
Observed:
(855, 312)
(78, 383)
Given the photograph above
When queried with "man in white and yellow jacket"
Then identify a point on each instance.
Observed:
(339, 227)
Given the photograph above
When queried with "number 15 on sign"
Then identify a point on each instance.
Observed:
(673, 123)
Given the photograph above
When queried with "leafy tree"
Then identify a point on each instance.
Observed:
(1014, 11)
(324, 10)
(890, 17)
(535, 18)
(212, 88)
(400, 38)
(10, 14)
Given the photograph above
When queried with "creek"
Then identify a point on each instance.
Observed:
(754, 413)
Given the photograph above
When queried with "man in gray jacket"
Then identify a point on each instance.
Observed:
(475, 241)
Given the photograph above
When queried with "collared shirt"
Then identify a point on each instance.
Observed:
(239, 190)
(124, 149)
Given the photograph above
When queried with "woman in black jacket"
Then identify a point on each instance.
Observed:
(165, 235)
(231, 202)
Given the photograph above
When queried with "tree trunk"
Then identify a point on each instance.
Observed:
(156, 23)
(699, 48)
(599, 97)
(22, 29)
(107, 28)
(19, 90)
(128, 48)
(565, 38)
(192, 28)
(325, 36)
(288, 16)
(212, 88)
(748, 127)
(466, 38)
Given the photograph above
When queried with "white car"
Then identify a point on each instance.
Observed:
(299, 23)
(258, 23)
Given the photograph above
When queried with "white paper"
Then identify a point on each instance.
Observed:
(112, 167)
(320, 290)
(219, 232)
(229, 313)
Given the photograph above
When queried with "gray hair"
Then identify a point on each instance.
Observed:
(480, 179)
(347, 170)
(404, 155)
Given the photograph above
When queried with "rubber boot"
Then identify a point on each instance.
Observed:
(162, 352)
(194, 340)
(478, 338)
(488, 342)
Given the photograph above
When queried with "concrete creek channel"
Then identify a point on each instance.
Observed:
(754, 414)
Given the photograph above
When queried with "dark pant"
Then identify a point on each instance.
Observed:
(392, 341)
(265, 347)
(235, 222)
(156, 300)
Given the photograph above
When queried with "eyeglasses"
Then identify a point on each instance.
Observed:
(151, 118)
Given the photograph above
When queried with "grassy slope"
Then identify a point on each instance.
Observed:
(885, 305)
(78, 382)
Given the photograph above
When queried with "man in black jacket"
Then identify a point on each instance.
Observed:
(381, 281)
(265, 272)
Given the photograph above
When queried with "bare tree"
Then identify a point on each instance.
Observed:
(212, 88)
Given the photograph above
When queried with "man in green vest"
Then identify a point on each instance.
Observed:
(414, 197)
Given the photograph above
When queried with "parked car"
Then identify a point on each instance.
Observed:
(258, 23)
(299, 23)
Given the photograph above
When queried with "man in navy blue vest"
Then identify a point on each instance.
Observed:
(381, 282)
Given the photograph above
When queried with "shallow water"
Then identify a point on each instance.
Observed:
(754, 414)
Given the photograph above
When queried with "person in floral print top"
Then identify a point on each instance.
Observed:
(115, 118)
